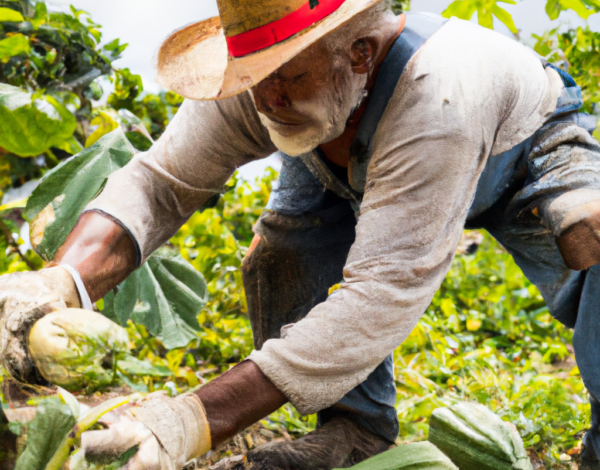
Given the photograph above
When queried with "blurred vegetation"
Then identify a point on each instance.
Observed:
(487, 335)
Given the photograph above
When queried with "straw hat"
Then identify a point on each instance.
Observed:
(223, 56)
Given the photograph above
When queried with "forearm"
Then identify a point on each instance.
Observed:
(101, 250)
(237, 399)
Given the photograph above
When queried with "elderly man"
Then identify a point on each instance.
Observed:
(396, 132)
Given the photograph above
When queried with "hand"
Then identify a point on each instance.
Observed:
(24, 299)
(168, 433)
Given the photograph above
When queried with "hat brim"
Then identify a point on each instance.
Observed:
(194, 61)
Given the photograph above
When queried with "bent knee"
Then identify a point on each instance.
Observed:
(579, 244)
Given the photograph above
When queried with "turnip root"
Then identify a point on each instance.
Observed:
(77, 348)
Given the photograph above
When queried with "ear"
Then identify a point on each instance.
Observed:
(361, 56)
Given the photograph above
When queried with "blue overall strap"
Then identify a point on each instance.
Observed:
(418, 28)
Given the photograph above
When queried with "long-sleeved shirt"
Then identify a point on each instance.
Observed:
(467, 95)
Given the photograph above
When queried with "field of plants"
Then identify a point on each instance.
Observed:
(487, 336)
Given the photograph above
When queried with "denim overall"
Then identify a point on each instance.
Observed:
(309, 225)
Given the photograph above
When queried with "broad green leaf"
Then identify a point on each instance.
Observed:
(53, 421)
(10, 15)
(12, 46)
(170, 295)
(165, 295)
(55, 205)
(133, 366)
(415, 456)
(29, 127)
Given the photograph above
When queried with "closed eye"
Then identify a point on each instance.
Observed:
(298, 77)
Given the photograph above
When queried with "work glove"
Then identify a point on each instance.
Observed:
(168, 433)
(24, 299)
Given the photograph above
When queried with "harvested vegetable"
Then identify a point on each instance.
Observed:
(420, 455)
(77, 349)
(476, 439)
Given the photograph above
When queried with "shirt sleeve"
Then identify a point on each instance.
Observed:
(451, 106)
(154, 194)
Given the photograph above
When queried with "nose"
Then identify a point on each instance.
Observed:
(269, 97)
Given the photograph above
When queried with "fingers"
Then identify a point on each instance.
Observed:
(108, 445)
(150, 456)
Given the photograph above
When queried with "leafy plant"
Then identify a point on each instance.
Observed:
(486, 11)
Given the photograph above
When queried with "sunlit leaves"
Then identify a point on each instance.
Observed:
(577, 51)
(165, 294)
(9, 15)
(486, 11)
(518, 360)
(13, 46)
(67, 189)
(30, 125)
(583, 8)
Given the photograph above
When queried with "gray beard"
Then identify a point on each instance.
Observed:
(338, 111)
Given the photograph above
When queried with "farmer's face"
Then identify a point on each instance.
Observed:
(307, 101)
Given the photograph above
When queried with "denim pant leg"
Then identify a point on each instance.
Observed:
(563, 162)
(306, 233)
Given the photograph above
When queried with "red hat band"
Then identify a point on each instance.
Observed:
(269, 34)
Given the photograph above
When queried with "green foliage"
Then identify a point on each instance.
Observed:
(165, 295)
(488, 337)
(578, 52)
(486, 11)
(66, 190)
(53, 420)
(417, 456)
(30, 125)
(583, 8)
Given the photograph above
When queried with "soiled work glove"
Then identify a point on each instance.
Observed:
(24, 299)
(169, 432)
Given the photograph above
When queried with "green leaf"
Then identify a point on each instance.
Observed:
(55, 205)
(12, 46)
(133, 366)
(53, 421)
(416, 456)
(463, 9)
(29, 127)
(554, 7)
(10, 15)
(486, 10)
(505, 17)
(578, 7)
(166, 294)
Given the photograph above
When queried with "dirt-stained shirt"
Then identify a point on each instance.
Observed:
(467, 95)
